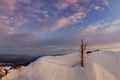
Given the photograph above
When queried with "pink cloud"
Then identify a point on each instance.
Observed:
(66, 3)
(62, 5)
(9, 33)
(9, 5)
(78, 15)
(60, 23)
(6, 31)
(65, 21)
(96, 7)
(72, 1)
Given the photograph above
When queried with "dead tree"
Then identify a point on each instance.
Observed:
(82, 51)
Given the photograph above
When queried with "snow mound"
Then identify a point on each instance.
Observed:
(64, 60)
(102, 65)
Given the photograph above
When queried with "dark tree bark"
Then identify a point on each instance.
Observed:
(83, 47)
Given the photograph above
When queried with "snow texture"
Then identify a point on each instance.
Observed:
(102, 65)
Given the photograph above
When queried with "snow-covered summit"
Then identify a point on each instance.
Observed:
(63, 60)
(102, 65)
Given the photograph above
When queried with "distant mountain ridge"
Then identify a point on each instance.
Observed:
(16, 59)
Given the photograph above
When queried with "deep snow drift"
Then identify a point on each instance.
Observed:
(102, 65)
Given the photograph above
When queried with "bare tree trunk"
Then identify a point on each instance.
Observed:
(83, 47)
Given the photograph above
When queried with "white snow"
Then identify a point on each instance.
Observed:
(102, 65)
(64, 60)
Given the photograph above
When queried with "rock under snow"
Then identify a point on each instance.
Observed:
(102, 65)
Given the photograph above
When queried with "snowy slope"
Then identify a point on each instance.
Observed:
(102, 65)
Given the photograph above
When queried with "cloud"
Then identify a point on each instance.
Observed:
(102, 35)
(60, 23)
(65, 21)
(6, 31)
(22, 38)
(66, 3)
(95, 7)
(37, 17)
(7, 6)
(103, 27)
(23, 21)
(24, 1)
(106, 2)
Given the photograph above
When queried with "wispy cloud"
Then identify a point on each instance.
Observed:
(23, 21)
(64, 4)
(106, 2)
(72, 19)
(95, 7)
(103, 35)
(103, 27)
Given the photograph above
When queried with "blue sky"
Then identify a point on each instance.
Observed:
(56, 26)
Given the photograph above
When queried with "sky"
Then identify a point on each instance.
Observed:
(57, 26)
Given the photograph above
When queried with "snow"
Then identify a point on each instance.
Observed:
(102, 65)
(64, 60)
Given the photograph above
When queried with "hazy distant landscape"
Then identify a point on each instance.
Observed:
(16, 60)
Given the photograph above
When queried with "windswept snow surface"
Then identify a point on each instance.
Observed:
(102, 65)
